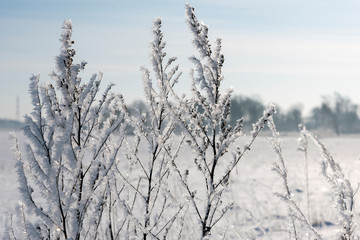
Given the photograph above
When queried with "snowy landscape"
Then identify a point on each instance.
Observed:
(257, 211)
(87, 166)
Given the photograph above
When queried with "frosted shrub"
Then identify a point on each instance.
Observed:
(147, 198)
(203, 120)
(69, 153)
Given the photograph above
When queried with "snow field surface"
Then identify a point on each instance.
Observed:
(256, 212)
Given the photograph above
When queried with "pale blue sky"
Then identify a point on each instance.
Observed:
(285, 51)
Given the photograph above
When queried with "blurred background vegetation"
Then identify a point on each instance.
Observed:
(336, 114)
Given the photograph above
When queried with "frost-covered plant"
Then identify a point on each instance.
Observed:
(69, 152)
(304, 143)
(150, 204)
(342, 191)
(203, 120)
(294, 212)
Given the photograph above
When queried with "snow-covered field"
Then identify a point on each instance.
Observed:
(253, 185)
(8, 178)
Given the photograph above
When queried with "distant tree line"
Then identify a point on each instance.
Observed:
(10, 124)
(250, 107)
(336, 113)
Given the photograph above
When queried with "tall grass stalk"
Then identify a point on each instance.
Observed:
(304, 142)
(280, 168)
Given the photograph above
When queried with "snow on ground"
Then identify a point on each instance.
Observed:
(252, 185)
(8, 178)
(255, 185)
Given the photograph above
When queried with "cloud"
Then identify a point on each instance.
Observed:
(281, 53)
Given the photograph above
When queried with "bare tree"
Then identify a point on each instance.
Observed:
(338, 113)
